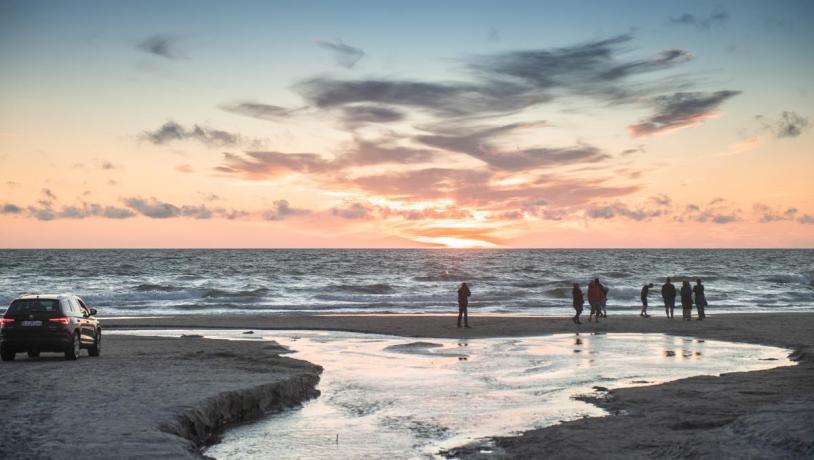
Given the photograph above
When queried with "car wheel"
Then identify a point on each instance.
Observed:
(6, 354)
(96, 348)
(72, 352)
(33, 354)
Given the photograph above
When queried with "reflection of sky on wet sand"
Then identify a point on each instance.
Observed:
(393, 397)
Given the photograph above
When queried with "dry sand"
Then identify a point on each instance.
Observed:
(765, 414)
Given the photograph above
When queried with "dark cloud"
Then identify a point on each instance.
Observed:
(680, 110)
(258, 110)
(717, 18)
(161, 45)
(172, 131)
(806, 219)
(357, 114)
(281, 210)
(153, 208)
(658, 206)
(719, 211)
(87, 210)
(48, 193)
(42, 212)
(352, 211)
(767, 214)
(345, 55)
(790, 124)
(9, 208)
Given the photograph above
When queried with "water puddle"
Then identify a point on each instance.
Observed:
(401, 398)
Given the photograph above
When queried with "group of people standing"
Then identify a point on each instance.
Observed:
(598, 298)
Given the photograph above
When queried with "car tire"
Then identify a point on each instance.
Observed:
(6, 354)
(72, 352)
(96, 348)
(33, 354)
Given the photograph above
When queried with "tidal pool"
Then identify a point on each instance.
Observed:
(404, 398)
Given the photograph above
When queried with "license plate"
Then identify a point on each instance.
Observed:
(31, 323)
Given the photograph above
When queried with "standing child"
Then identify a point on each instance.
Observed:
(579, 301)
(686, 300)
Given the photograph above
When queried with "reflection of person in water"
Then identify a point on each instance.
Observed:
(686, 300)
(645, 292)
(668, 293)
(579, 301)
(700, 299)
(463, 302)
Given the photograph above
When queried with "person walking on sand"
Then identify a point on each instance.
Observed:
(668, 293)
(579, 301)
(645, 292)
(463, 302)
(595, 299)
(700, 299)
(604, 302)
(686, 300)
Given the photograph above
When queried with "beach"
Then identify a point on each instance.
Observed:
(144, 394)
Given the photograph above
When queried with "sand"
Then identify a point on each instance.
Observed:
(764, 414)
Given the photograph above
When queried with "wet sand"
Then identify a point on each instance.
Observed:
(163, 397)
(764, 414)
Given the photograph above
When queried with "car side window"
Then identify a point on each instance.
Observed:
(82, 304)
(76, 308)
(68, 307)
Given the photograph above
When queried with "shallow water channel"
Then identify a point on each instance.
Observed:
(403, 398)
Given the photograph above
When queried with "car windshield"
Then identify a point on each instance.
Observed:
(34, 306)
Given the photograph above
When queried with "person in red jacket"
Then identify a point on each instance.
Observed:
(595, 295)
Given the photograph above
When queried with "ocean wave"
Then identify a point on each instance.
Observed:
(157, 287)
(379, 288)
(220, 293)
(789, 278)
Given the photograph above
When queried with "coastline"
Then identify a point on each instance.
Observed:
(737, 415)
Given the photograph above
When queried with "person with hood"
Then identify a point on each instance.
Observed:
(668, 293)
(463, 303)
(700, 299)
(579, 301)
(595, 295)
(645, 292)
(686, 300)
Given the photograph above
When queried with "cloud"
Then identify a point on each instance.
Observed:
(48, 193)
(358, 114)
(107, 165)
(806, 219)
(281, 210)
(352, 211)
(659, 206)
(717, 18)
(161, 45)
(9, 208)
(264, 165)
(718, 211)
(680, 110)
(172, 131)
(767, 214)
(153, 208)
(184, 168)
(94, 210)
(345, 55)
(258, 110)
(790, 124)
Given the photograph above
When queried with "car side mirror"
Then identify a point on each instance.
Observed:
(92, 312)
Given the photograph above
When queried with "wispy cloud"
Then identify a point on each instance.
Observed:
(680, 110)
(352, 211)
(163, 46)
(259, 110)
(345, 55)
(281, 210)
(790, 124)
(172, 131)
(718, 17)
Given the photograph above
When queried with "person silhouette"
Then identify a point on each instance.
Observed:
(595, 295)
(579, 301)
(645, 292)
(686, 300)
(700, 299)
(668, 293)
(463, 302)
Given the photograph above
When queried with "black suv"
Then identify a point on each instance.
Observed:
(58, 323)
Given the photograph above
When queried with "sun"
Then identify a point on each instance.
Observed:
(456, 243)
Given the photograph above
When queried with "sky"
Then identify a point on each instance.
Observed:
(406, 124)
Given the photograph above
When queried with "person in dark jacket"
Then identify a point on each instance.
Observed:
(579, 301)
(645, 292)
(700, 299)
(463, 302)
(686, 300)
(668, 293)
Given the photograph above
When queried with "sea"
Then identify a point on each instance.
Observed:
(141, 282)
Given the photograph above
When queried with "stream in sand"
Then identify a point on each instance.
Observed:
(402, 398)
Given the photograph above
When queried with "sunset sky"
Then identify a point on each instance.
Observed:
(406, 124)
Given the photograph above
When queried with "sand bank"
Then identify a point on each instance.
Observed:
(144, 397)
(766, 414)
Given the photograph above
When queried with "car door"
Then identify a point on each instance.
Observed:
(88, 323)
